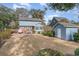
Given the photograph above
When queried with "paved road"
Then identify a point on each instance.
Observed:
(27, 45)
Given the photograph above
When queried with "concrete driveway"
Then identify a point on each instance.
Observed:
(29, 45)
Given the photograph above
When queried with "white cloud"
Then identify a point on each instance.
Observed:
(58, 12)
(25, 4)
(22, 5)
(43, 4)
(17, 6)
(51, 16)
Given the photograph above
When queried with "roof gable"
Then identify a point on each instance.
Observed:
(61, 19)
(69, 25)
(65, 22)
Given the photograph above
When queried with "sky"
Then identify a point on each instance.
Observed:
(71, 14)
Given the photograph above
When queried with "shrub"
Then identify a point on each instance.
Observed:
(47, 28)
(49, 33)
(76, 37)
(39, 32)
(77, 52)
(49, 52)
(5, 34)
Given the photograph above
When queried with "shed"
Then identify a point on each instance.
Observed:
(64, 30)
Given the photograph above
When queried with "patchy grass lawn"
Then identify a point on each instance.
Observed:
(21, 44)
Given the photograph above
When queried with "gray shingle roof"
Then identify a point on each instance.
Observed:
(69, 25)
(31, 19)
(60, 18)
(65, 23)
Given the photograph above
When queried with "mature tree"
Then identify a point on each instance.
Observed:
(49, 22)
(22, 11)
(6, 16)
(61, 6)
(1, 26)
(37, 13)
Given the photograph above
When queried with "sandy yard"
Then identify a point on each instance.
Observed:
(29, 45)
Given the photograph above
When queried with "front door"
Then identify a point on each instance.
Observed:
(33, 29)
(59, 33)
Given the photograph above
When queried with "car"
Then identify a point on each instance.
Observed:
(20, 31)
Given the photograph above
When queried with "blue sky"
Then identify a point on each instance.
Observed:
(71, 14)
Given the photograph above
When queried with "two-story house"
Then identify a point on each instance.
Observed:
(33, 25)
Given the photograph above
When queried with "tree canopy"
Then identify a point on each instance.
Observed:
(6, 16)
(22, 11)
(61, 6)
(37, 13)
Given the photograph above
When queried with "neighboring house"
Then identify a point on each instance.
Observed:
(33, 25)
(64, 30)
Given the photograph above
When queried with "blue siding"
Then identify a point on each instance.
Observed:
(66, 33)
(30, 24)
(63, 31)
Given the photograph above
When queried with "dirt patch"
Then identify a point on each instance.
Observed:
(28, 45)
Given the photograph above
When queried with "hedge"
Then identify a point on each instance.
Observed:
(76, 37)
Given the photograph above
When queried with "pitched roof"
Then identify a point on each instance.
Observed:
(31, 19)
(61, 19)
(70, 25)
(65, 22)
